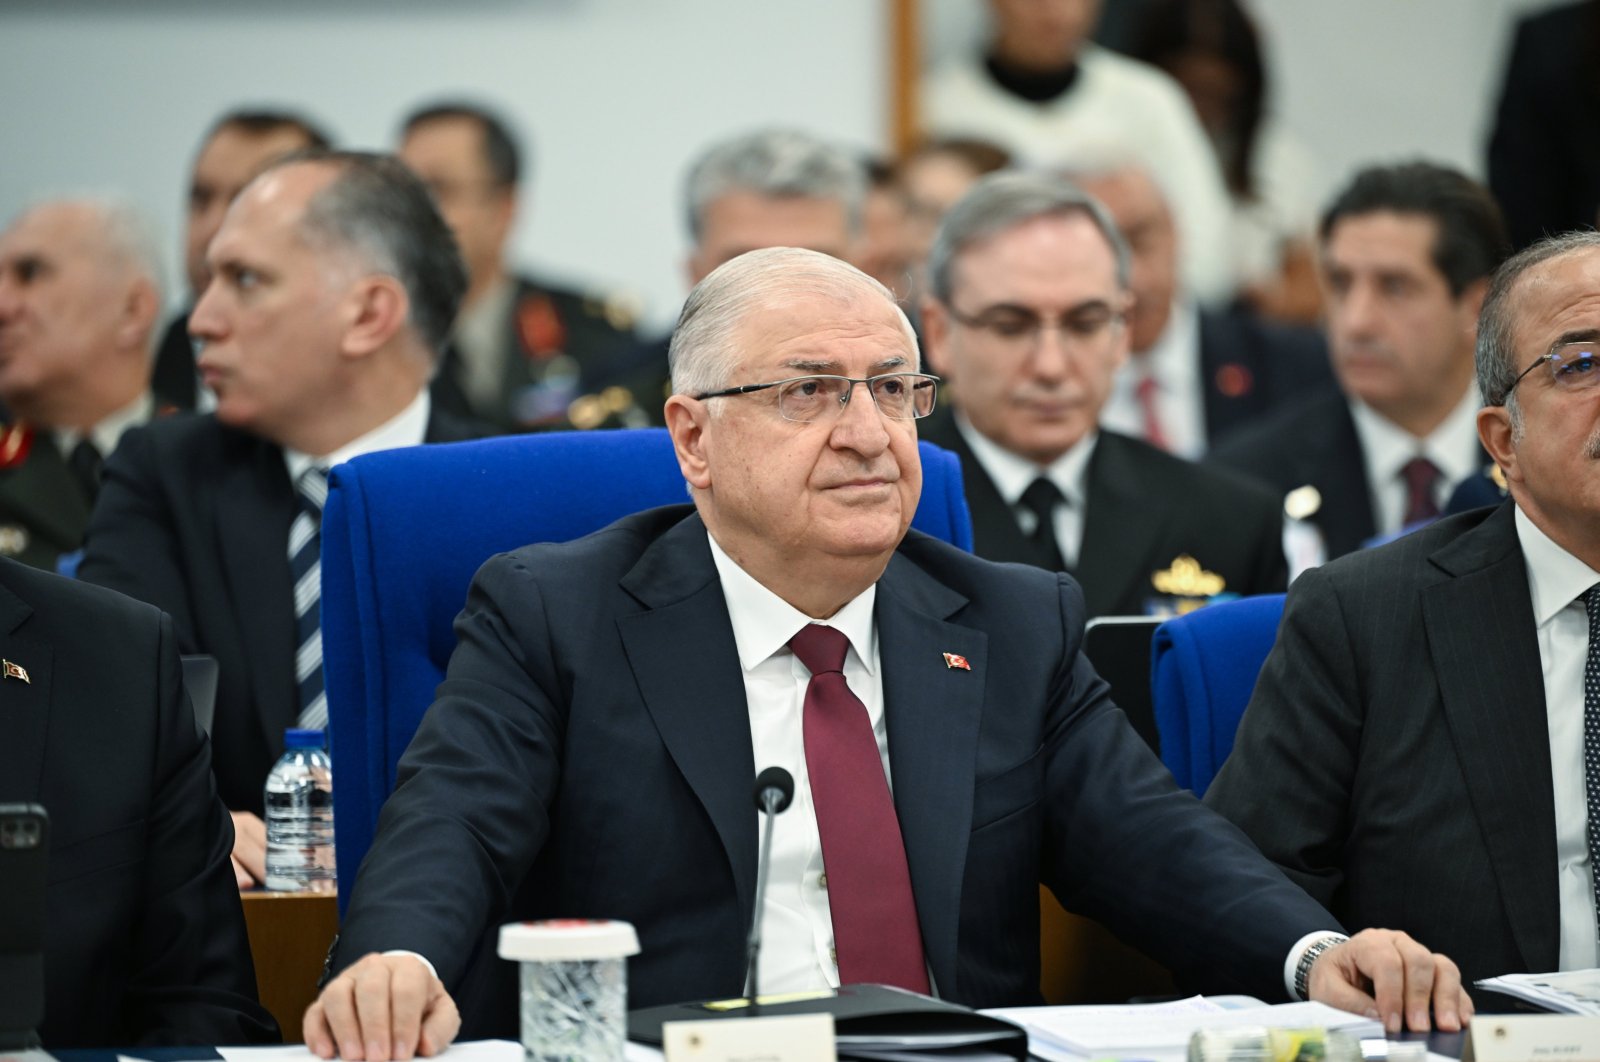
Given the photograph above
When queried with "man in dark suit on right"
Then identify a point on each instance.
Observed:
(1422, 748)
(1406, 255)
(591, 749)
(334, 282)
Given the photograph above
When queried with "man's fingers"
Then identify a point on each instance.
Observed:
(339, 1011)
(373, 983)
(411, 986)
(1339, 993)
(250, 844)
(1419, 972)
(440, 1024)
(314, 1031)
(1452, 1008)
(241, 876)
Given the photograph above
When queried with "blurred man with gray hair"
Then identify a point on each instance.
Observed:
(770, 188)
(1027, 320)
(334, 283)
(80, 296)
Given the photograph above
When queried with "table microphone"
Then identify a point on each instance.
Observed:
(774, 792)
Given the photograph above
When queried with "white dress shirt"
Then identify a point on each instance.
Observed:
(1557, 581)
(796, 920)
(106, 434)
(406, 428)
(1012, 475)
(1386, 447)
(1173, 362)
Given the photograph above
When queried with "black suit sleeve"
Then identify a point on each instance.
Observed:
(475, 788)
(132, 544)
(1128, 848)
(1288, 781)
(193, 982)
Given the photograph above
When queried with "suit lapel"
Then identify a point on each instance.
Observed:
(24, 706)
(1121, 527)
(932, 713)
(254, 507)
(1491, 683)
(686, 664)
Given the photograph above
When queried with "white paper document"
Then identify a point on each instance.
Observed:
(469, 1051)
(1570, 992)
(1162, 1030)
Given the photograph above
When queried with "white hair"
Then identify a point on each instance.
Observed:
(704, 352)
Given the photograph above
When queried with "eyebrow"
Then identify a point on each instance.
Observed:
(897, 361)
(1014, 307)
(1581, 335)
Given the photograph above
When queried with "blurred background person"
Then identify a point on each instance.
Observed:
(1544, 149)
(1042, 90)
(933, 177)
(80, 299)
(1407, 252)
(1213, 50)
(1194, 374)
(885, 253)
(236, 148)
(525, 354)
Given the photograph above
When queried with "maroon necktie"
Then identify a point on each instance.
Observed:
(875, 935)
(1147, 391)
(1420, 475)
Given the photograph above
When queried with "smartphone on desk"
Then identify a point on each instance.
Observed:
(24, 871)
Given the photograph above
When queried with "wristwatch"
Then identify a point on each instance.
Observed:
(1308, 958)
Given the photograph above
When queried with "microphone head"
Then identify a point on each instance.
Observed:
(774, 780)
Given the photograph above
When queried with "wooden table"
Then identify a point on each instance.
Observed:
(289, 937)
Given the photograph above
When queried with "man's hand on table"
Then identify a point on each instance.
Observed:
(382, 1007)
(249, 849)
(1387, 976)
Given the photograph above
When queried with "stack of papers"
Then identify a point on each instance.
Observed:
(1573, 992)
(1161, 1031)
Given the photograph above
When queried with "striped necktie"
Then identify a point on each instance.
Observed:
(305, 564)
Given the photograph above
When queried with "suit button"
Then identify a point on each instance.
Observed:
(833, 953)
(822, 881)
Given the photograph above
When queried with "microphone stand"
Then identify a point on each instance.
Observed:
(770, 798)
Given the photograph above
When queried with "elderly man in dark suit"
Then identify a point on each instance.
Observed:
(1421, 749)
(144, 941)
(334, 282)
(1027, 321)
(591, 748)
(1406, 255)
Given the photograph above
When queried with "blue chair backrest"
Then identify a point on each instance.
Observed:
(405, 530)
(1202, 672)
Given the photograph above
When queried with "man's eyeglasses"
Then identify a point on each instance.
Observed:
(898, 395)
(1019, 330)
(1573, 367)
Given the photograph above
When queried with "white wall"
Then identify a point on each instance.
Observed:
(618, 96)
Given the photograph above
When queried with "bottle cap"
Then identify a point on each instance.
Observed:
(567, 939)
(295, 738)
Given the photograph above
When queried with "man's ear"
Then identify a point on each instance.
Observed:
(687, 421)
(378, 307)
(140, 309)
(1494, 431)
(935, 336)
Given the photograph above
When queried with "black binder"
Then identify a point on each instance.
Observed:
(872, 1022)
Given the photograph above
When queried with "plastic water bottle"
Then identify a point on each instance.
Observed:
(299, 801)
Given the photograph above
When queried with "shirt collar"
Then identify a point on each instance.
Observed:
(407, 428)
(1173, 360)
(106, 434)
(1452, 446)
(1012, 474)
(763, 622)
(1555, 577)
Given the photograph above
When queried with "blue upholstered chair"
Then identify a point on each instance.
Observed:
(1203, 671)
(402, 535)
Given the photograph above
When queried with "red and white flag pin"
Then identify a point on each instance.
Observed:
(16, 671)
(956, 661)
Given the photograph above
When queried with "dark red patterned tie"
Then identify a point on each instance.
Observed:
(875, 934)
(1420, 475)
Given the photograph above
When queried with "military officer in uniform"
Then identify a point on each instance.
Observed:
(80, 297)
(525, 355)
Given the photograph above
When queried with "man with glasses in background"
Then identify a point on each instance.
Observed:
(1423, 745)
(591, 750)
(1026, 321)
